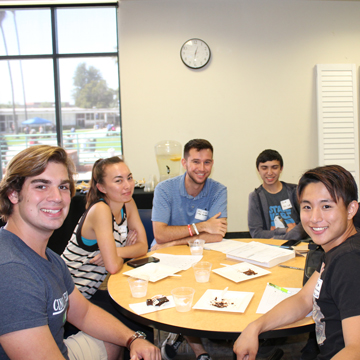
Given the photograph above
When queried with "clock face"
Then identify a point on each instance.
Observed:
(195, 53)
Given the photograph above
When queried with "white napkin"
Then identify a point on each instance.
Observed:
(142, 308)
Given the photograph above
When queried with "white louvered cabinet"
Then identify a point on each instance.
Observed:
(337, 112)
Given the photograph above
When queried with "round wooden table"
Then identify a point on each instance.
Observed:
(209, 324)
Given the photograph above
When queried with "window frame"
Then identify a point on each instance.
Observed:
(55, 56)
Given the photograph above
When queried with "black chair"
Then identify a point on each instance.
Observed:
(238, 235)
(145, 216)
(276, 355)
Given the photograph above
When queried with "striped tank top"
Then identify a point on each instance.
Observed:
(77, 255)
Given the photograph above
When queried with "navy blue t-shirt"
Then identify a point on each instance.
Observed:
(34, 291)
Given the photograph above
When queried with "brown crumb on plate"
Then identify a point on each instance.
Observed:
(249, 272)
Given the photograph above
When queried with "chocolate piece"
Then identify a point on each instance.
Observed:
(249, 272)
(161, 301)
(219, 303)
(156, 301)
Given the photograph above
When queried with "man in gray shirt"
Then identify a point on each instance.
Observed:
(273, 207)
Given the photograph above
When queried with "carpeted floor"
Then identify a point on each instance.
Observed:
(223, 350)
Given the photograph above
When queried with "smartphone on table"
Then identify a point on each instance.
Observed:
(289, 244)
(140, 262)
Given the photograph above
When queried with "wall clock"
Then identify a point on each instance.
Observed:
(195, 53)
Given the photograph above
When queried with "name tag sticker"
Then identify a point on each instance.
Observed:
(318, 288)
(286, 204)
(201, 214)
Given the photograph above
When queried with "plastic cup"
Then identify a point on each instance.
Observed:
(202, 271)
(196, 246)
(183, 298)
(138, 286)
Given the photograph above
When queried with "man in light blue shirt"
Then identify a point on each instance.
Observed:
(186, 207)
(190, 205)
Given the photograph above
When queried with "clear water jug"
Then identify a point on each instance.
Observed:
(168, 156)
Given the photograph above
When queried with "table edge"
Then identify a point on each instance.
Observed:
(218, 335)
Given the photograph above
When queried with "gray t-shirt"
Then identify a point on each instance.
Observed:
(34, 291)
(281, 213)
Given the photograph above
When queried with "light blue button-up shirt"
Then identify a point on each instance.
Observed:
(173, 206)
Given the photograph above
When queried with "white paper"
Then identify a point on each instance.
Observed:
(272, 297)
(236, 272)
(261, 254)
(155, 271)
(142, 308)
(239, 299)
(224, 246)
(182, 262)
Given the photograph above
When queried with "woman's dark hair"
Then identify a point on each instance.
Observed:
(339, 182)
(97, 177)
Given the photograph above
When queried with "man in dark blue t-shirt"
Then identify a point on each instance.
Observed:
(37, 292)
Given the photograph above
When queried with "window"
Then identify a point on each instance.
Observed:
(60, 82)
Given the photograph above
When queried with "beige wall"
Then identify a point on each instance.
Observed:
(257, 92)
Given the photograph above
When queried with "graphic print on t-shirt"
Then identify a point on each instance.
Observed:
(280, 218)
(317, 315)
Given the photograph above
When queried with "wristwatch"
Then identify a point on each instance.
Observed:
(137, 335)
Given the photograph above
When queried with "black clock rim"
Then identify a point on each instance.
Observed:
(197, 67)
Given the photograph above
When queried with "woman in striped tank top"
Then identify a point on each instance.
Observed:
(109, 231)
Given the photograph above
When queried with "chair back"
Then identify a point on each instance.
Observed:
(145, 216)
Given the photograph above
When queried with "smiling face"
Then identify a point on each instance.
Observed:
(198, 165)
(43, 202)
(118, 184)
(328, 223)
(270, 172)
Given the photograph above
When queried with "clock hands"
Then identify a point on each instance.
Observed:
(195, 53)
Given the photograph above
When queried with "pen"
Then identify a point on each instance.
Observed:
(290, 267)
(280, 288)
